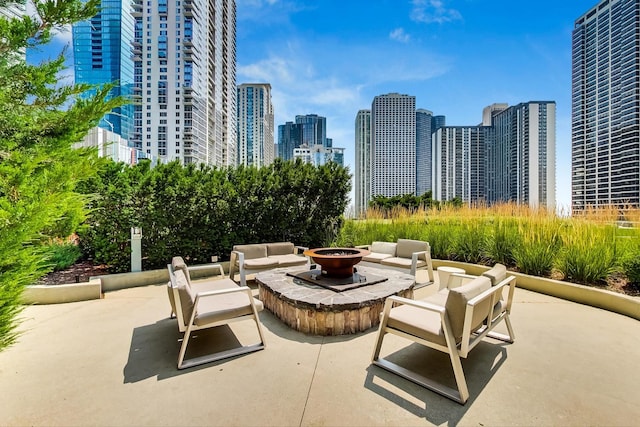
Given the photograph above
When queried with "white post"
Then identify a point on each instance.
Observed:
(136, 249)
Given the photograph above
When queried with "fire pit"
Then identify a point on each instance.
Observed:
(336, 262)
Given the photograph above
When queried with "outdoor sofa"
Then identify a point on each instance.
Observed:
(404, 255)
(250, 259)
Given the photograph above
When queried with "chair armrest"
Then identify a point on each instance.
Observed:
(363, 247)
(206, 266)
(416, 303)
(459, 279)
(299, 249)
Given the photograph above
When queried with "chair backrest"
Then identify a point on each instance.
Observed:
(497, 274)
(258, 250)
(280, 248)
(456, 305)
(183, 296)
(407, 247)
(177, 263)
(387, 248)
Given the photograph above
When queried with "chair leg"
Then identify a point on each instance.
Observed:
(459, 375)
(183, 348)
(378, 346)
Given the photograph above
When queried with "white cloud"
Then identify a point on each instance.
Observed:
(433, 11)
(399, 35)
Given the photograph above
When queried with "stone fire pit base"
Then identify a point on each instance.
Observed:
(315, 310)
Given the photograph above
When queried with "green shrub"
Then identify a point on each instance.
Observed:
(468, 242)
(198, 212)
(62, 255)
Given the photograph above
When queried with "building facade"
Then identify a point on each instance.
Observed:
(521, 158)
(289, 138)
(319, 155)
(363, 161)
(112, 145)
(424, 130)
(393, 145)
(458, 168)
(605, 126)
(255, 125)
(313, 130)
(102, 55)
(185, 80)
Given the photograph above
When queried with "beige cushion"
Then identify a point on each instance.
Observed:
(204, 285)
(252, 251)
(222, 307)
(280, 248)
(376, 257)
(439, 298)
(289, 260)
(384, 248)
(406, 247)
(456, 305)
(258, 263)
(497, 274)
(172, 300)
(178, 263)
(402, 262)
(418, 322)
(186, 295)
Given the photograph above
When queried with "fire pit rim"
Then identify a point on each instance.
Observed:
(339, 265)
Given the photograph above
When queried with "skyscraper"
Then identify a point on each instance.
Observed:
(424, 129)
(102, 54)
(289, 138)
(255, 124)
(393, 145)
(363, 161)
(458, 163)
(605, 126)
(185, 80)
(313, 128)
(521, 161)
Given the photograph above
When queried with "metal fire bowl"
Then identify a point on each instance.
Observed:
(336, 262)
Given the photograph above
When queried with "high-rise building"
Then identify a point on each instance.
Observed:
(393, 145)
(185, 80)
(313, 129)
(363, 161)
(255, 124)
(289, 138)
(605, 126)
(424, 129)
(458, 169)
(319, 155)
(521, 163)
(102, 55)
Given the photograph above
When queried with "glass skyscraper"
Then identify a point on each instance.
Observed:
(255, 124)
(363, 161)
(102, 54)
(605, 126)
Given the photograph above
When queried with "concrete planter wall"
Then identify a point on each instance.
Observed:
(94, 289)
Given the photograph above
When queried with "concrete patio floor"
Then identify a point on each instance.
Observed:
(113, 362)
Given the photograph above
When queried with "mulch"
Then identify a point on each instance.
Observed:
(77, 273)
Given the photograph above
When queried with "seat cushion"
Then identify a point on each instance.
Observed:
(376, 257)
(407, 247)
(205, 285)
(280, 248)
(402, 262)
(497, 274)
(259, 263)
(185, 294)
(252, 251)
(388, 248)
(457, 300)
(418, 322)
(289, 260)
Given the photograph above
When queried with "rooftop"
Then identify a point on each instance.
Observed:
(113, 362)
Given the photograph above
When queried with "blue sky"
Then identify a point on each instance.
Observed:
(332, 57)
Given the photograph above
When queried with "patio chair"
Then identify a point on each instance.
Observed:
(214, 303)
(453, 322)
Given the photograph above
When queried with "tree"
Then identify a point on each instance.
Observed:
(40, 119)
